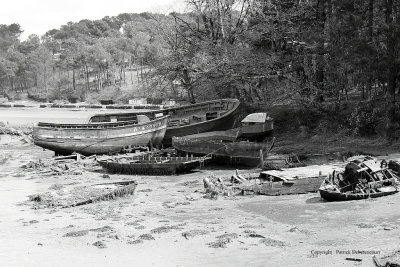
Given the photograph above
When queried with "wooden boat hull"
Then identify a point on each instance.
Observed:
(99, 138)
(150, 166)
(83, 195)
(338, 196)
(257, 132)
(232, 153)
(216, 115)
(298, 186)
(225, 122)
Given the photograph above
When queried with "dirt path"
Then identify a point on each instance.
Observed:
(169, 223)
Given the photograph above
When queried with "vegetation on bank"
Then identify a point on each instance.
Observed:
(328, 65)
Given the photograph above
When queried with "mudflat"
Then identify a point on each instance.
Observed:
(168, 222)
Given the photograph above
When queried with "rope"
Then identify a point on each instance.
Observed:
(204, 157)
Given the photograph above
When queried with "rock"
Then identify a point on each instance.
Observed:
(272, 242)
(76, 234)
(256, 236)
(146, 237)
(99, 244)
(220, 243)
(193, 233)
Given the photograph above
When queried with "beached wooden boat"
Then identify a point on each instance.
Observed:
(225, 152)
(256, 127)
(216, 115)
(267, 183)
(152, 165)
(363, 178)
(330, 195)
(68, 196)
(100, 138)
(275, 185)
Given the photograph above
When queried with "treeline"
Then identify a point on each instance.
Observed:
(338, 58)
(328, 55)
(80, 57)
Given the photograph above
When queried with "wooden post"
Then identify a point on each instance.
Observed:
(261, 158)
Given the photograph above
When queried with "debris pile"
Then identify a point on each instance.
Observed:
(19, 131)
(235, 185)
(363, 177)
(65, 197)
(69, 165)
(389, 260)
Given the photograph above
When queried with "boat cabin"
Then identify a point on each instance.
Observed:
(256, 118)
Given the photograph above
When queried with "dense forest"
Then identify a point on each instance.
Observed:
(338, 60)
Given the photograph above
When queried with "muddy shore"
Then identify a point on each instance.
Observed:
(168, 222)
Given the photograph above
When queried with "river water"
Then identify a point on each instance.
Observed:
(29, 116)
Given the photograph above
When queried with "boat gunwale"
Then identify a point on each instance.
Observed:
(92, 126)
(328, 195)
(229, 112)
(230, 100)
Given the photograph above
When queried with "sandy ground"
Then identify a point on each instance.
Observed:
(168, 222)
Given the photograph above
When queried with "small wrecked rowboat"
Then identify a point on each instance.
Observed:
(363, 178)
(215, 115)
(66, 197)
(100, 138)
(152, 165)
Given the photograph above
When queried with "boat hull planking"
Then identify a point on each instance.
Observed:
(338, 196)
(106, 139)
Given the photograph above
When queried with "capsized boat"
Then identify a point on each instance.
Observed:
(152, 165)
(216, 115)
(101, 138)
(363, 178)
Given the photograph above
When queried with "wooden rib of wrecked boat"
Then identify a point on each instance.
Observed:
(152, 165)
(216, 115)
(100, 138)
(363, 178)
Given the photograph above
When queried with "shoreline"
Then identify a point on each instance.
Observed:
(168, 222)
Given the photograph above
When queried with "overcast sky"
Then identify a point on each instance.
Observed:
(39, 16)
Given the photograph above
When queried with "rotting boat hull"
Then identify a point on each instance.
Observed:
(338, 196)
(216, 115)
(152, 165)
(231, 153)
(86, 139)
(257, 132)
(297, 186)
